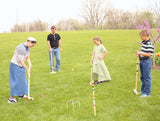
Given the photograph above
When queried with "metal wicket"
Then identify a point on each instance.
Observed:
(73, 104)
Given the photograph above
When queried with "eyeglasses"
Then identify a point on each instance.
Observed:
(33, 42)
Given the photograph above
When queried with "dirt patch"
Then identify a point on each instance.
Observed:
(157, 67)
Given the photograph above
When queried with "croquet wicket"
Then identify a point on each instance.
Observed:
(73, 104)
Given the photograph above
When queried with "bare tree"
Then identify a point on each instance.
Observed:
(36, 25)
(126, 20)
(112, 18)
(69, 25)
(156, 8)
(93, 12)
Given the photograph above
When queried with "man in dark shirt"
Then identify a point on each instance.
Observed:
(54, 41)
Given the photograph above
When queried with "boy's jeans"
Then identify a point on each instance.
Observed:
(145, 68)
(56, 53)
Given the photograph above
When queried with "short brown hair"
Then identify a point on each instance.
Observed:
(144, 32)
(53, 27)
(98, 39)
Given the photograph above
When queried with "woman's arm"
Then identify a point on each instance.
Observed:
(24, 65)
(29, 62)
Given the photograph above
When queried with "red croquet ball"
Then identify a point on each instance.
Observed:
(41, 95)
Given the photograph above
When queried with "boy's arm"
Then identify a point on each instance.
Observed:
(50, 49)
(60, 44)
(144, 54)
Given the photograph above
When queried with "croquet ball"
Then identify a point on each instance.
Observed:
(66, 85)
(41, 95)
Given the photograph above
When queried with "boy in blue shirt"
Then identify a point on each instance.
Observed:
(144, 55)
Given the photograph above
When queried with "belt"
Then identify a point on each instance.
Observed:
(54, 47)
(143, 58)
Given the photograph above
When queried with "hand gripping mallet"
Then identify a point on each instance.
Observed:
(25, 96)
(93, 90)
(135, 90)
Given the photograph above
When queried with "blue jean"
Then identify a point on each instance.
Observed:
(145, 68)
(56, 53)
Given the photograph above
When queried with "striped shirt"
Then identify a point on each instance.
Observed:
(147, 47)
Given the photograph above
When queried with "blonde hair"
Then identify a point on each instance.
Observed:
(144, 32)
(98, 39)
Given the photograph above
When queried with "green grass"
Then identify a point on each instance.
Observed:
(115, 100)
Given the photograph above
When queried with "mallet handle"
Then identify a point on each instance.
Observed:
(51, 61)
(137, 72)
(29, 82)
(93, 89)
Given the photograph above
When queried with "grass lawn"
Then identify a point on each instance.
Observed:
(115, 100)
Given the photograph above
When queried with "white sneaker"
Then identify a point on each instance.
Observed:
(53, 72)
(59, 70)
(12, 100)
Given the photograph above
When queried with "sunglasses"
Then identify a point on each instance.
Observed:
(33, 42)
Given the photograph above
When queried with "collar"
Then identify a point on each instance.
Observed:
(145, 42)
(53, 34)
(25, 46)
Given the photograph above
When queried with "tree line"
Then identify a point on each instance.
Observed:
(36, 25)
(97, 15)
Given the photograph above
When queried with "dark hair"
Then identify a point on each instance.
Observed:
(53, 27)
(144, 32)
(32, 41)
(98, 39)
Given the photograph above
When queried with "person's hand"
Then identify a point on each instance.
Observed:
(50, 50)
(28, 71)
(100, 58)
(30, 66)
(137, 53)
(61, 49)
(91, 62)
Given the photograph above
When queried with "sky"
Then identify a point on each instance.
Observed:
(52, 11)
